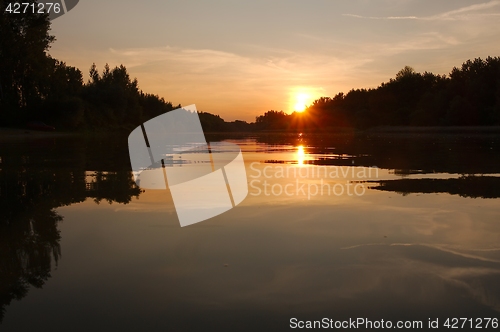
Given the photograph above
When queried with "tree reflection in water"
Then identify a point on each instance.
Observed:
(464, 186)
(36, 177)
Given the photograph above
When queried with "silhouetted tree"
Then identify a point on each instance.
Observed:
(272, 120)
(154, 105)
(112, 99)
(212, 123)
(34, 86)
(24, 63)
(63, 105)
(470, 96)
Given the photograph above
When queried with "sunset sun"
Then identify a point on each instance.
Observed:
(300, 102)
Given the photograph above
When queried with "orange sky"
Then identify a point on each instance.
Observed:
(240, 59)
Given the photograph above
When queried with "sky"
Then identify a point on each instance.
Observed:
(239, 59)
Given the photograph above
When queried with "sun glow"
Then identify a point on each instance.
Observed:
(300, 102)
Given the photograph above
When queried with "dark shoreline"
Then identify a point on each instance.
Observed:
(19, 133)
(453, 129)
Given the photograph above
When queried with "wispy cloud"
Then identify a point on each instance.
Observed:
(472, 8)
(464, 13)
(213, 77)
(384, 18)
(440, 247)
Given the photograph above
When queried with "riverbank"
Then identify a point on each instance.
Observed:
(410, 129)
(16, 134)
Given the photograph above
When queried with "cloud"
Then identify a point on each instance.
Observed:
(384, 18)
(463, 13)
(472, 8)
(441, 247)
(199, 62)
(434, 42)
(216, 80)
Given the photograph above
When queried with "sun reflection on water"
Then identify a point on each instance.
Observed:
(300, 155)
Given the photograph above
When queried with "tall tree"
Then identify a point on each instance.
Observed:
(113, 98)
(24, 61)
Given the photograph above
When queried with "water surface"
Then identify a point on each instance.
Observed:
(385, 226)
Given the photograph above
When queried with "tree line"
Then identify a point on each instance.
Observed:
(36, 87)
(468, 96)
